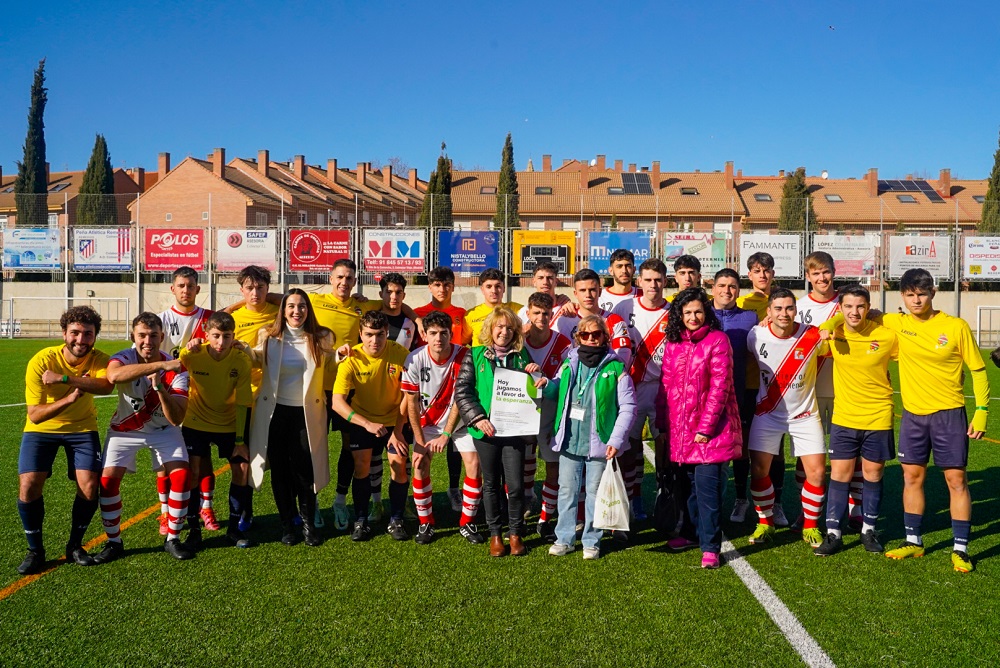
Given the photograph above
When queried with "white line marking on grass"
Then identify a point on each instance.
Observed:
(789, 625)
(103, 396)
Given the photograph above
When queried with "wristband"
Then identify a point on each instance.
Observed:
(446, 433)
(65, 380)
(351, 416)
(982, 408)
(159, 388)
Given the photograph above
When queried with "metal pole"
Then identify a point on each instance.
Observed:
(211, 258)
(883, 248)
(134, 233)
(805, 241)
(957, 265)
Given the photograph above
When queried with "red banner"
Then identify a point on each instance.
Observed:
(317, 250)
(166, 249)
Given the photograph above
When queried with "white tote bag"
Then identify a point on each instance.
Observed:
(611, 509)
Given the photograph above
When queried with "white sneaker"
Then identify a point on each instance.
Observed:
(340, 517)
(455, 499)
(778, 513)
(558, 550)
(591, 553)
(740, 508)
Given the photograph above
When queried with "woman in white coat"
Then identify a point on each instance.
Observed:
(288, 433)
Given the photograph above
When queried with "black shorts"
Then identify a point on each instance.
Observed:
(361, 439)
(334, 422)
(877, 445)
(199, 443)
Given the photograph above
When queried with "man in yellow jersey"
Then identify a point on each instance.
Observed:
(375, 419)
(862, 417)
(59, 385)
(219, 398)
(492, 285)
(933, 348)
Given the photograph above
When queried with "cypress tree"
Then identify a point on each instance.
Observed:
(95, 206)
(507, 206)
(989, 223)
(442, 202)
(425, 210)
(32, 183)
(795, 202)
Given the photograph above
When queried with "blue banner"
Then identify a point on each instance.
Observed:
(603, 244)
(468, 251)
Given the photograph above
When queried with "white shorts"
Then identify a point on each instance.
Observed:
(461, 438)
(805, 434)
(645, 403)
(825, 412)
(120, 448)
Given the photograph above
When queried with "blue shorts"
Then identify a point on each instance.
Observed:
(943, 433)
(38, 452)
(874, 445)
(199, 443)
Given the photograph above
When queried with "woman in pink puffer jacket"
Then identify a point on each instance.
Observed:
(701, 419)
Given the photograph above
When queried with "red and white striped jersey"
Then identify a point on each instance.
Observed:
(560, 301)
(638, 335)
(787, 370)
(566, 324)
(179, 328)
(139, 408)
(550, 354)
(609, 300)
(435, 383)
(809, 311)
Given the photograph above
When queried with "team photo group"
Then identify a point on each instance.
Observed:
(711, 383)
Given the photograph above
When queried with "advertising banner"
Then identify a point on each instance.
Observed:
(532, 248)
(31, 248)
(317, 250)
(394, 250)
(913, 252)
(167, 249)
(786, 249)
(238, 248)
(603, 244)
(708, 247)
(981, 258)
(853, 255)
(469, 252)
(513, 410)
(102, 249)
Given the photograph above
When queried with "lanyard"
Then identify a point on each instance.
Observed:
(582, 383)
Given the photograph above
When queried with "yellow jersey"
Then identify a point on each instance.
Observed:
(343, 318)
(248, 323)
(472, 324)
(375, 381)
(215, 388)
(752, 301)
(79, 416)
(862, 394)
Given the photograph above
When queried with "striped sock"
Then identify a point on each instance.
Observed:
(628, 474)
(961, 529)
(163, 491)
(530, 469)
(178, 502)
(472, 493)
(855, 504)
(550, 499)
(422, 496)
(762, 492)
(812, 504)
(375, 478)
(207, 486)
(640, 470)
(111, 507)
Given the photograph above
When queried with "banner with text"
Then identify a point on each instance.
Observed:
(708, 247)
(31, 248)
(786, 249)
(102, 249)
(238, 248)
(166, 249)
(513, 410)
(469, 252)
(913, 252)
(394, 250)
(981, 258)
(603, 244)
(853, 255)
(532, 248)
(317, 250)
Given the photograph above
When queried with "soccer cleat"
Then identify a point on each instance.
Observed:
(637, 511)
(376, 512)
(813, 536)
(112, 550)
(208, 517)
(174, 548)
(237, 538)
(778, 515)
(34, 562)
(425, 534)
(546, 531)
(455, 499)
(164, 518)
(340, 517)
(870, 541)
(193, 541)
(710, 560)
(362, 531)
(680, 543)
(961, 562)
(246, 521)
(318, 521)
(831, 545)
(796, 526)
(762, 534)
(591, 553)
(740, 508)
(397, 530)
(905, 551)
(471, 534)
(559, 550)
(77, 555)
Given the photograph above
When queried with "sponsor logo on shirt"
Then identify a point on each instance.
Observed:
(942, 341)
(233, 373)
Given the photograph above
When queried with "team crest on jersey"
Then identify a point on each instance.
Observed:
(663, 327)
(942, 341)
(873, 347)
(392, 369)
(799, 354)
(357, 311)
(233, 373)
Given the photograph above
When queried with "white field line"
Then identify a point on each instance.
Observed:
(105, 396)
(789, 625)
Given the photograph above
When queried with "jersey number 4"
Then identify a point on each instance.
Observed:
(762, 352)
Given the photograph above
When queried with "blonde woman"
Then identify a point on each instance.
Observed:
(500, 458)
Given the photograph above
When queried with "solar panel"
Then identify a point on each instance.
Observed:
(642, 184)
(628, 182)
(928, 190)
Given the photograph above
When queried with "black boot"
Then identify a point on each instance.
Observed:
(290, 535)
(77, 555)
(311, 534)
(34, 562)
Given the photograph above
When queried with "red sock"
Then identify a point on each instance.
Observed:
(111, 507)
(763, 498)
(163, 491)
(550, 498)
(472, 493)
(422, 495)
(207, 488)
(178, 501)
(812, 503)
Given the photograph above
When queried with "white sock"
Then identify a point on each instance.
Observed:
(916, 540)
(865, 528)
(833, 532)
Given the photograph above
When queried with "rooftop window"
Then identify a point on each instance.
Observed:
(615, 190)
(543, 190)
(979, 198)
(488, 190)
(689, 191)
(762, 197)
(833, 198)
(907, 199)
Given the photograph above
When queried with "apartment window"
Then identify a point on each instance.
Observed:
(615, 190)
(689, 191)
(406, 219)
(53, 220)
(303, 218)
(336, 218)
(762, 197)
(204, 215)
(463, 225)
(907, 199)
(393, 218)
(833, 198)
(320, 220)
(350, 219)
(282, 221)
(488, 190)
(647, 226)
(3, 220)
(170, 217)
(9, 190)
(573, 225)
(261, 218)
(543, 190)
(366, 217)
(979, 198)
(380, 220)
(537, 226)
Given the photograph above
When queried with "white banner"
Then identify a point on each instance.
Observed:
(394, 250)
(102, 249)
(853, 255)
(913, 252)
(513, 410)
(708, 247)
(981, 258)
(239, 248)
(786, 249)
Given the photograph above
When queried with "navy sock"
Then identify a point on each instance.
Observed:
(397, 499)
(345, 470)
(83, 512)
(236, 505)
(836, 503)
(961, 530)
(454, 467)
(871, 501)
(32, 515)
(911, 523)
(361, 491)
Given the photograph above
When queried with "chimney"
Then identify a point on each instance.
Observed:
(48, 173)
(546, 163)
(163, 166)
(362, 169)
(299, 167)
(601, 163)
(631, 166)
(263, 161)
(139, 176)
(387, 176)
(584, 175)
(872, 177)
(729, 175)
(944, 182)
(618, 165)
(656, 175)
(219, 162)
(781, 173)
(566, 161)
(331, 169)
(739, 173)
(413, 179)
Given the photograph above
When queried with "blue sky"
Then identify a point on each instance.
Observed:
(905, 87)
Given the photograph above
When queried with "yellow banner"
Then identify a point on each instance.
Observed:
(532, 248)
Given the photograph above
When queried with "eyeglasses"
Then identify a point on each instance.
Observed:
(595, 335)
